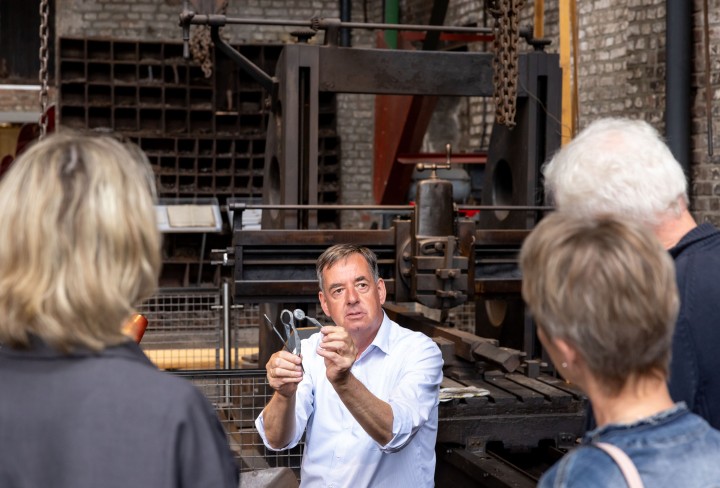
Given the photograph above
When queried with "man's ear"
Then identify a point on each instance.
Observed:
(323, 303)
(382, 291)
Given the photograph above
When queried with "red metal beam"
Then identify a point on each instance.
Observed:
(400, 125)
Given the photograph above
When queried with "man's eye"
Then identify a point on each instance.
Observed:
(362, 286)
(337, 292)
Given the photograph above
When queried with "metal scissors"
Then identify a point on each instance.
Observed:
(291, 341)
(300, 315)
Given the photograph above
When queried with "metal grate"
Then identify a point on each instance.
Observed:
(185, 336)
(239, 396)
(204, 137)
(184, 329)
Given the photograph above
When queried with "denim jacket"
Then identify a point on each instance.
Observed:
(673, 449)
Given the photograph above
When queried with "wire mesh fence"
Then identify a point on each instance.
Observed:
(186, 335)
(239, 396)
(186, 330)
(183, 329)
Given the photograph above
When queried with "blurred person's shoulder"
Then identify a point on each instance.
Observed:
(583, 467)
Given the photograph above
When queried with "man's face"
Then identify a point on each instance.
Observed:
(351, 297)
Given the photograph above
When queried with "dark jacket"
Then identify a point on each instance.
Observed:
(695, 363)
(107, 419)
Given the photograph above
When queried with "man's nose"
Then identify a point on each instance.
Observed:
(352, 296)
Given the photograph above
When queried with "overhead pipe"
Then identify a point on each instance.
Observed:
(391, 16)
(678, 70)
(345, 16)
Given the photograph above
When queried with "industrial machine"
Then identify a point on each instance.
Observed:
(504, 417)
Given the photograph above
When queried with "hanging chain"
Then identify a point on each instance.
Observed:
(201, 41)
(505, 61)
(200, 44)
(43, 75)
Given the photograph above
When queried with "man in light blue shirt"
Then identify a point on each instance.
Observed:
(368, 396)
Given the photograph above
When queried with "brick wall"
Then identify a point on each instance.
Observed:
(706, 168)
(355, 125)
(621, 71)
(152, 19)
(621, 66)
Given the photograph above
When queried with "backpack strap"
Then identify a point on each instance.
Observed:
(629, 471)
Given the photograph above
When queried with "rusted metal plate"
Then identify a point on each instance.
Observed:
(563, 385)
(462, 467)
(289, 238)
(403, 72)
(514, 430)
(485, 237)
(498, 286)
(552, 394)
(525, 395)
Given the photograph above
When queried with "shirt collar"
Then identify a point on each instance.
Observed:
(382, 338)
(698, 233)
(680, 408)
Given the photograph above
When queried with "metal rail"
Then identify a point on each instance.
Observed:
(393, 208)
(318, 23)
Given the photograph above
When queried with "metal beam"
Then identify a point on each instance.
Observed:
(354, 70)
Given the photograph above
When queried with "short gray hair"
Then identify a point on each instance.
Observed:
(620, 167)
(340, 252)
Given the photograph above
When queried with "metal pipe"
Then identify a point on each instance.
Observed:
(226, 324)
(243, 206)
(391, 15)
(678, 70)
(392, 208)
(265, 80)
(345, 16)
(320, 23)
(202, 258)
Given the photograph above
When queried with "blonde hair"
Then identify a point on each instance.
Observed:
(80, 244)
(608, 288)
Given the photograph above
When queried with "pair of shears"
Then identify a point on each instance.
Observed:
(291, 341)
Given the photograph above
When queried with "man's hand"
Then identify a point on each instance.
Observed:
(284, 372)
(339, 351)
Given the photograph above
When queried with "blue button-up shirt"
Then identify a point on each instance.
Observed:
(401, 367)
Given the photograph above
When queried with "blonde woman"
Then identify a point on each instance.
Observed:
(80, 404)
